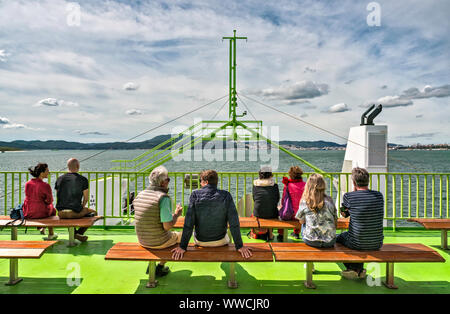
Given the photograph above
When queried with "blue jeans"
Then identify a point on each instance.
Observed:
(343, 239)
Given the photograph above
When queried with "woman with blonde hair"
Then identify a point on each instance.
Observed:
(317, 214)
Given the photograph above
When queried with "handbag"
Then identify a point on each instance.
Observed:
(287, 210)
(16, 214)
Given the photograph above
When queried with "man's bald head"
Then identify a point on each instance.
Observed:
(73, 165)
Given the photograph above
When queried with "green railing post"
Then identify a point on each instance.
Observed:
(394, 203)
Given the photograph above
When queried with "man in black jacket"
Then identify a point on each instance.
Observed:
(209, 213)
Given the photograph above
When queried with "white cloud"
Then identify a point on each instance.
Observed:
(53, 102)
(130, 86)
(427, 92)
(342, 107)
(89, 132)
(4, 120)
(299, 90)
(133, 112)
(14, 126)
(3, 56)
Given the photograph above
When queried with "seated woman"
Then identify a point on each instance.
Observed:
(266, 197)
(317, 214)
(39, 198)
(296, 185)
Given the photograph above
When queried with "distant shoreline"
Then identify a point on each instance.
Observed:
(10, 149)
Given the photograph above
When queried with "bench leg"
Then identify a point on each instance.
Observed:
(13, 233)
(285, 235)
(389, 283)
(13, 272)
(232, 284)
(444, 243)
(152, 282)
(71, 237)
(309, 275)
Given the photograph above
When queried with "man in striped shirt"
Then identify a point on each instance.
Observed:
(365, 232)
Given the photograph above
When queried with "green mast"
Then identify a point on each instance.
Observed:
(232, 78)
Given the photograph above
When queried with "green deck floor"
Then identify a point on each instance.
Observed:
(56, 271)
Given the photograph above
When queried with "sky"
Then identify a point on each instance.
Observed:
(101, 71)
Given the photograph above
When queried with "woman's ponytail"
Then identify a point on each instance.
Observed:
(38, 169)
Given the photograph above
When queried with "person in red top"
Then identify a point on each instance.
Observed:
(39, 198)
(296, 187)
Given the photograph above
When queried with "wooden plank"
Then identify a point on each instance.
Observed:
(388, 253)
(54, 221)
(295, 224)
(133, 251)
(21, 253)
(432, 223)
(244, 222)
(26, 244)
(420, 220)
(436, 225)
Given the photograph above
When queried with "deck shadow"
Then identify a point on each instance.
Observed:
(38, 286)
(91, 247)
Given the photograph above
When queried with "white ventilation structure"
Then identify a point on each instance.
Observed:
(367, 147)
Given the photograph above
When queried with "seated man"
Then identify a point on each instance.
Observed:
(153, 216)
(210, 211)
(365, 232)
(73, 195)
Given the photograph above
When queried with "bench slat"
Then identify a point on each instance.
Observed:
(26, 244)
(253, 222)
(21, 253)
(294, 224)
(433, 224)
(54, 221)
(24, 249)
(133, 251)
(388, 253)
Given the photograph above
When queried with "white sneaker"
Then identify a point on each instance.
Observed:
(51, 237)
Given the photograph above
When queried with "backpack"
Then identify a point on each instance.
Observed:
(16, 214)
(258, 233)
(287, 210)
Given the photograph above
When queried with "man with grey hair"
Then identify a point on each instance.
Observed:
(154, 218)
(73, 195)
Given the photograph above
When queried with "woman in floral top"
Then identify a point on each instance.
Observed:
(317, 214)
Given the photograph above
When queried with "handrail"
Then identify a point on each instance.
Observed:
(407, 195)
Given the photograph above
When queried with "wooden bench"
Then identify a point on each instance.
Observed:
(135, 252)
(435, 224)
(53, 221)
(14, 250)
(293, 224)
(253, 222)
(389, 254)
(244, 222)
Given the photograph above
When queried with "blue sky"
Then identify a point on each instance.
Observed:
(130, 65)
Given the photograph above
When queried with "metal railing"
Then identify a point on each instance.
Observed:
(407, 195)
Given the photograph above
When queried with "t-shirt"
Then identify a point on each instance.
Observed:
(165, 208)
(70, 187)
(319, 226)
(366, 219)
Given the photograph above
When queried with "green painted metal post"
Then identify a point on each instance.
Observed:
(425, 196)
(6, 193)
(433, 195)
(394, 202)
